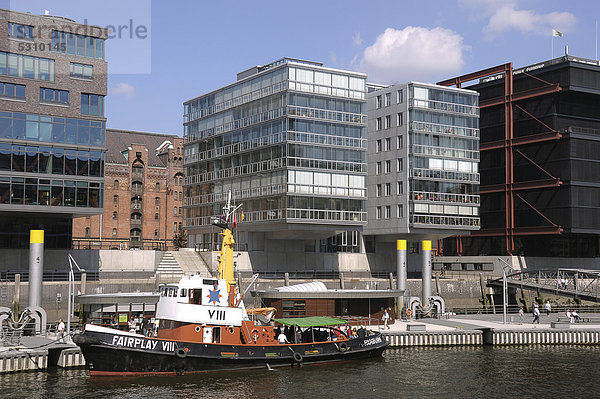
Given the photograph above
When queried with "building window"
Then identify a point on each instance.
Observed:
(388, 189)
(20, 31)
(387, 122)
(175, 227)
(379, 190)
(388, 166)
(388, 99)
(82, 71)
(378, 168)
(400, 211)
(83, 46)
(87, 231)
(92, 104)
(175, 211)
(378, 216)
(378, 148)
(399, 119)
(400, 187)
(175, 195)
(156, 216)
(114, 216)
(116, 199)
(114, 232)
(387, 145)
(388, 211)
(54, 96)
(155, 232)
(378, 122)
(399, 97)
(378, 102)
(399, 142)
(157, 186)
(399, 165)
(181, 196)
(10, 90)
(156, 201)
(116, 185)
(23, 66)
(179, 211)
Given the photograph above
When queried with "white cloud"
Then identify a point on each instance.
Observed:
(413, 53)
(508, 18)
(123, 89)
(357, 39)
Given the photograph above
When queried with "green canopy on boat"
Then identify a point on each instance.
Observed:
(312, 321)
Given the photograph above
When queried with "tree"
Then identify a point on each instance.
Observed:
(180, 239)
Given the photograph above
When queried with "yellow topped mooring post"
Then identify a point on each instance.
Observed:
(36, 266)
(401, 272)
(426, 272)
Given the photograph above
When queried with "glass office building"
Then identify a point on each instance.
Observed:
(423, 161)
(52, 126)
(288, 139)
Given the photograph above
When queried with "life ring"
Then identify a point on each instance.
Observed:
(255, 335)
(409, 312)
(298, 357)
(180, 353)
(344, 347)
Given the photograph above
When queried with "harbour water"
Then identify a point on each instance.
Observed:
(538, 371)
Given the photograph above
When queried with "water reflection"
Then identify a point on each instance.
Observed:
(466, 372)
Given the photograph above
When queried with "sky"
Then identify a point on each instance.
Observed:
(163, 53)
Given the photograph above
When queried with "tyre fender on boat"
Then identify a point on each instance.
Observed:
(344, 347)
(180, 353)
(298, 357)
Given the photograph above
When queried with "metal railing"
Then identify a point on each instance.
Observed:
(49, 276)
(578, 283)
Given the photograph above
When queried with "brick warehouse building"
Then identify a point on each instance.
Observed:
(52, 88)
(143, 193)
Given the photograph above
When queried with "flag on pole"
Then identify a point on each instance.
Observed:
(556, 33)
(243, 216)
(234, 224)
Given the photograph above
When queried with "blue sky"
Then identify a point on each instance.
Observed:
(192, 47)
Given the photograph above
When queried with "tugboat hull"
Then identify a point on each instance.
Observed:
(114, 352)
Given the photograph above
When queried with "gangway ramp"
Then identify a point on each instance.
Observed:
(580, 284)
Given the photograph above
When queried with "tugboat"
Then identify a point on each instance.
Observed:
(204, 326)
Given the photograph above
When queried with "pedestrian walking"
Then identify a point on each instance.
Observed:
(536, 314)
(548, 308)
(521, 315)
(60, 330)
(386, 319)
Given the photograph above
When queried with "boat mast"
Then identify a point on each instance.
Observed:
(226, 258)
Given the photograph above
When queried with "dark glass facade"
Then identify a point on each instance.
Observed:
(573, 205)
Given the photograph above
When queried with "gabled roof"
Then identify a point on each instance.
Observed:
(118, 141)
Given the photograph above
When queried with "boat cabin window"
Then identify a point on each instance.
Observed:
(196, 296)
(172, 291)
(209, 282)
(216, 335)
(183, 292)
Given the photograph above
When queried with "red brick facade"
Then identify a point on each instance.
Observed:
(143, 203)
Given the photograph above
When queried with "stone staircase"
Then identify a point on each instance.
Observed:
(169, 266)
(192, 263)
(174, 264)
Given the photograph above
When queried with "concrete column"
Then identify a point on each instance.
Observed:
(83, 282)
(426, 272)
(401, 271)
(36, 266)
(17, 296)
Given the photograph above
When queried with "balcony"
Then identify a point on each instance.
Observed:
(137, 190)
(136, 222)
